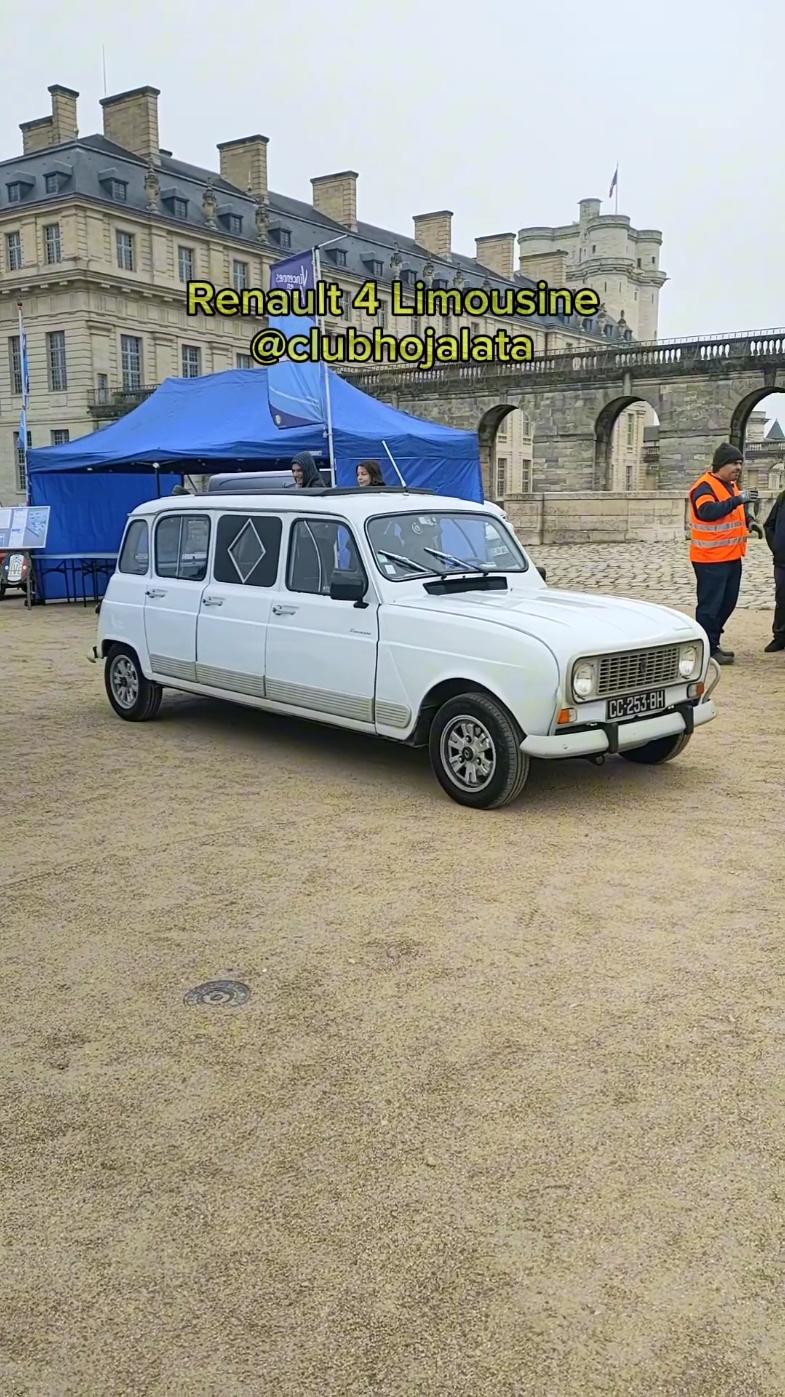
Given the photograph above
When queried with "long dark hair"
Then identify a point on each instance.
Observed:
(374, 470)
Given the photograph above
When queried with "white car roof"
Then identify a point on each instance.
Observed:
(359, 504)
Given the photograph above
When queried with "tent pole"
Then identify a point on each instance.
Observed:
(317, 267)
(394, 466)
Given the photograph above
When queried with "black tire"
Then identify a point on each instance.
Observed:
(663, 749)
(132, 696)
(498, 765)
(2, 590)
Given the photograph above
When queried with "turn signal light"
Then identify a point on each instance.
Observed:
(567, 715)
(696, 690)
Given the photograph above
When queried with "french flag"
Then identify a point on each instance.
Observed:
(614, 181)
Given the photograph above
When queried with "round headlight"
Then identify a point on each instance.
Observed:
(688, 661)
(583, 680)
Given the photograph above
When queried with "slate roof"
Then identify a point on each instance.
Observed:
(90, 158)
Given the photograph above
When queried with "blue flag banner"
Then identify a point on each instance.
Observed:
(295, 392)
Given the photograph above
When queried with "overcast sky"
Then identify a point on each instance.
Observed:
(506, 113)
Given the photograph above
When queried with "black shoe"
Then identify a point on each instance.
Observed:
(773, 646)
(723, 657)
(729, 654)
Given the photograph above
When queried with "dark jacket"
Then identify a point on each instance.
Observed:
(774, 530)
(311, 477)
(713, 502)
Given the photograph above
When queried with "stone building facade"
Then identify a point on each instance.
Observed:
(622, 264)
(100, 234)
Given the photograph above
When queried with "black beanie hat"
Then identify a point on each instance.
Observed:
(725, 455)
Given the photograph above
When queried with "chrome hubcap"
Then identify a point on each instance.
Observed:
(124, 680)
(468, 753)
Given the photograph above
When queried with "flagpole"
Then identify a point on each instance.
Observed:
(25, 371)
(317, 272)
(616, 209)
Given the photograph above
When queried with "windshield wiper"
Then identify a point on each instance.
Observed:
(462, 562)
(407, 562)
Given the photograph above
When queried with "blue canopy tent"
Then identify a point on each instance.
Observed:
(223, 422)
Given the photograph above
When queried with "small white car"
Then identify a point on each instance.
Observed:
(401, 613)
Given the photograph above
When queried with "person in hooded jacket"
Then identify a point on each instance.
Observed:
(774, 530)
(306, 473)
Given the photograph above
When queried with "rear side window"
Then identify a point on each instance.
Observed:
(182, 542)
(135, 553)
(247, 549)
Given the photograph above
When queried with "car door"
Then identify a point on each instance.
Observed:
(235, 608)
(173, 595)
(321, 653)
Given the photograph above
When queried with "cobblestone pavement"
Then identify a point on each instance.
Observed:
(658, 572)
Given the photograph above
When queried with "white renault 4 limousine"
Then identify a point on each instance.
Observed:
(401, 613)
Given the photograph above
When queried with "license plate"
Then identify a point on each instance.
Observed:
(636, 705)
(16, 566)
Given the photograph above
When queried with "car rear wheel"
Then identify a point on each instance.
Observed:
(663, 749)
(475, 750)
(132, 696)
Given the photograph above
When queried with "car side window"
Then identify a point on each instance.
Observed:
(182, 543)
(247, 549)
(135, 552)
(317, 549)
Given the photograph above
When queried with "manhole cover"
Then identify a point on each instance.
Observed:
(219, 992)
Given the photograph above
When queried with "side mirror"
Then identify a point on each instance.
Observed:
(543, 574)
(348, 586)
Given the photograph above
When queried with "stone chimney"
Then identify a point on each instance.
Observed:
(433, 231)
(546, 266)
(497, 253)
(131, 121)
(336, 197)
(243, 163)
(52, 130)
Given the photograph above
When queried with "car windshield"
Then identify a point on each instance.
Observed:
(442, 543)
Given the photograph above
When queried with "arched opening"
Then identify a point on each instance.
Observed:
(626, 454)
(758, 429)
(506, 452)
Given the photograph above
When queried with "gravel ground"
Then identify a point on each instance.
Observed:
(503, 1115)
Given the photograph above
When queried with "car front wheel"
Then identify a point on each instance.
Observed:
(663, 749)
(132, 696)
(475, 750)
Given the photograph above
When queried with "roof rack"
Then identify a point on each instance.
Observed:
(369, 490)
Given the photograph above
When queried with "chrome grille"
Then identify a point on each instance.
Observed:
(634, 670)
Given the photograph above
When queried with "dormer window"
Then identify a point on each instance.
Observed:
(338, 256)
(439, 283)
(174, 203)
(282, 236)
(374, 267)
(113, 187)
(408, 277)
(56, 177)
(231, 221)
(18, 190)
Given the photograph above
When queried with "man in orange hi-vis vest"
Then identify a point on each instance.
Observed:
(720, 523)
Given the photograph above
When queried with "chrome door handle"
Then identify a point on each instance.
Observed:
(154, 592)
(284, 610)
(212, 601)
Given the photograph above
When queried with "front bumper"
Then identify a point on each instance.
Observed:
(620, 737)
